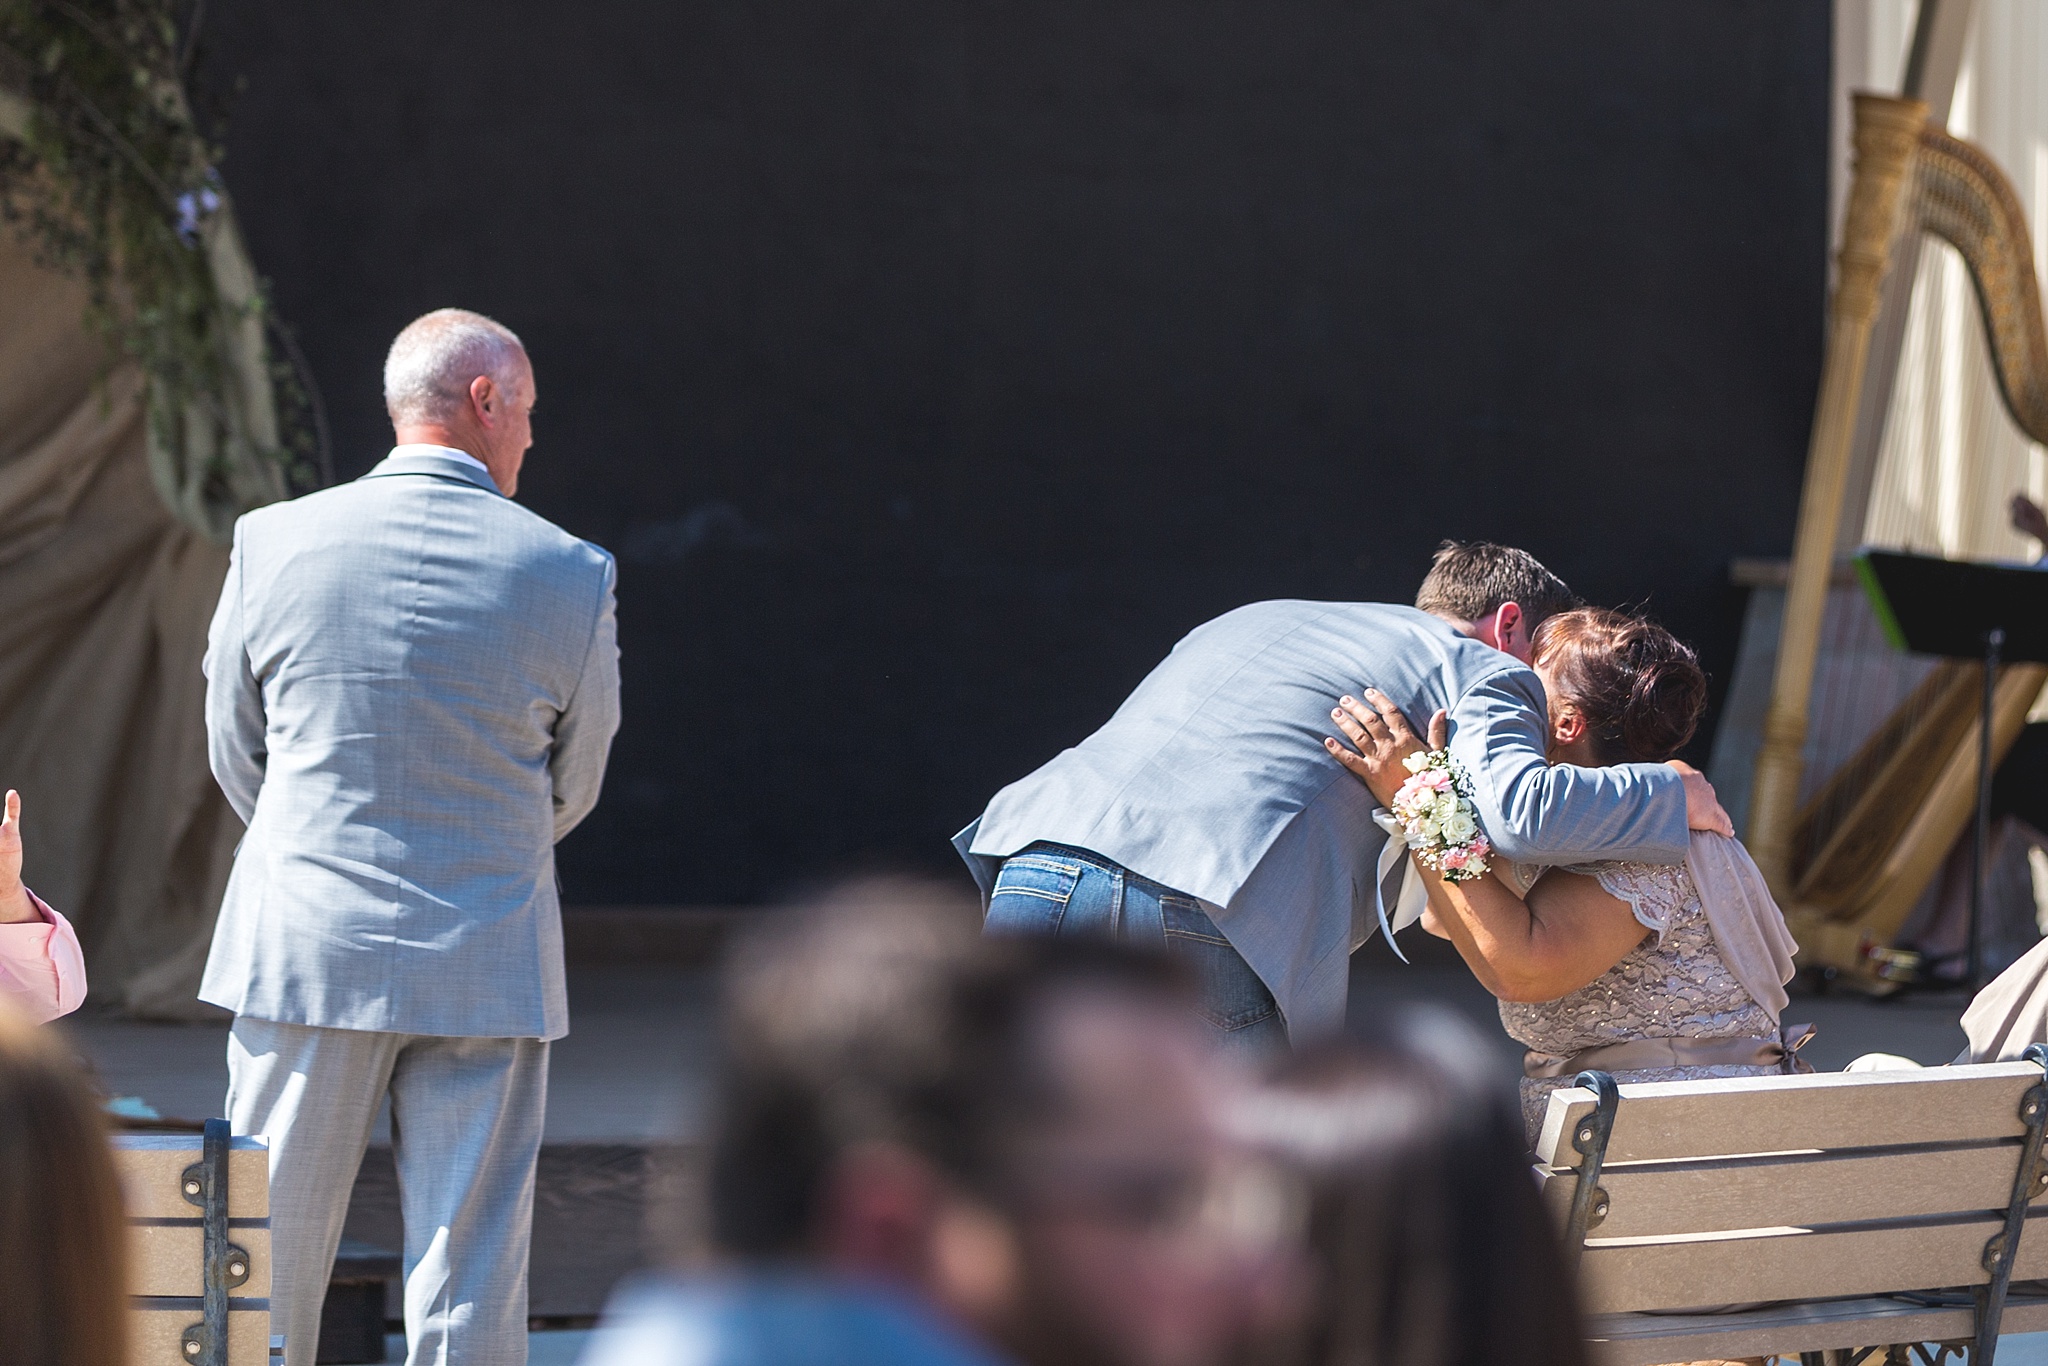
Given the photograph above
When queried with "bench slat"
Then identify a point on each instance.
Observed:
(1799, 1264)
(1658, 1200)
(170, 1259)
(150, 1165)
(1662, 1120)
(157, 1336)
(1647, 1339)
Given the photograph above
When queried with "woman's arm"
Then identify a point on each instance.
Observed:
(1532, 810)
(1568, 933)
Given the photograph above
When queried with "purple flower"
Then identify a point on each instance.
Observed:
(194, 206)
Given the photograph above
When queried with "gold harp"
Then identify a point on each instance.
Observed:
(1850, 864)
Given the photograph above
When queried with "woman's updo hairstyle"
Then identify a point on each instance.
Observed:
(1640, 689)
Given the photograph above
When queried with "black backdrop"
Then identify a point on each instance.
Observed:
(932, 365)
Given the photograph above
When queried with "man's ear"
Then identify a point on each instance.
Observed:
(1506, 629)
(1510, 625)
(975, 1263)
(881, 1207)
(483, 395)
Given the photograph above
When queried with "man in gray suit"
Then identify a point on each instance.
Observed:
(412, 686)
(1209, 818)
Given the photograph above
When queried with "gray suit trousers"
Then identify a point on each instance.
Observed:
(466, 1117)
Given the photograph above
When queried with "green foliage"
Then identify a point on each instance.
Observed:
(114, 180)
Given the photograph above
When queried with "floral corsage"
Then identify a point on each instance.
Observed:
(1435, 809)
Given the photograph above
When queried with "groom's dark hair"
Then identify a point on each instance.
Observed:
(1472, 579)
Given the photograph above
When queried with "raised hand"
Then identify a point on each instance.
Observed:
(1383, 738)
(15, 906)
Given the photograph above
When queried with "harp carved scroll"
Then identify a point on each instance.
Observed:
(1851, 862)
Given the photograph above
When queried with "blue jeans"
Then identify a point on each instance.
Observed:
(1051, 889)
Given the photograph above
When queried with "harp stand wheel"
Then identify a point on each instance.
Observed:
(1980, 869)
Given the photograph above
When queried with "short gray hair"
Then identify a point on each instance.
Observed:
(428, 372)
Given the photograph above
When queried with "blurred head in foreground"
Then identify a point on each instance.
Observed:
(1019, 1132)
(63, 1238)
(1428, 1243)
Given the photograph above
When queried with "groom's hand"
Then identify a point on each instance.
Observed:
(1702, 808)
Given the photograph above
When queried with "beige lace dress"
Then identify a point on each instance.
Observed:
(1674, 984)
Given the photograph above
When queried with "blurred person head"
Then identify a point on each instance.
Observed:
(458, 379)
(1018, 1131)
(63, 1237)
(1494, 593)
(1427, 1242)
(1622, 689)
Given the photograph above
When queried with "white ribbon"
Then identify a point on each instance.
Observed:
(1413, 898)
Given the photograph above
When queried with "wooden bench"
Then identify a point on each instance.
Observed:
(199, 1247)
(1847, 1215)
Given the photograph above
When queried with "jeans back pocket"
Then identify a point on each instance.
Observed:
(1031, 894)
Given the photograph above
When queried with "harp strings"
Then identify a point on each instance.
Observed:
(1859, 682)
(1951, 456)
(1949, 461)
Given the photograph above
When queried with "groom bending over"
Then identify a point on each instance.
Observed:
(412, 684)
(1208, 818)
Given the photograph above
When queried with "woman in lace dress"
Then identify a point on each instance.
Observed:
(1624, 967)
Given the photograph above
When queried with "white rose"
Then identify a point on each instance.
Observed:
(1460, 828)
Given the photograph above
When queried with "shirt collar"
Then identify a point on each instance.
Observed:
(428, 448)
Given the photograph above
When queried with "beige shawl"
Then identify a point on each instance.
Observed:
(1749, 929)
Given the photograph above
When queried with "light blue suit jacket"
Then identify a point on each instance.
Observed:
(412, 686)
(1212, 779)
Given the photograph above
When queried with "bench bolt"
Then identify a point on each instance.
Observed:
(1589, 1202)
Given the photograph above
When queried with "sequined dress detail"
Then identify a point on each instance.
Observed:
(1675, 984)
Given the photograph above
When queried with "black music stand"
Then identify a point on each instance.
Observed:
(1963, 609)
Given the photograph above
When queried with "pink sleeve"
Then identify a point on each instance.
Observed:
(41, 970)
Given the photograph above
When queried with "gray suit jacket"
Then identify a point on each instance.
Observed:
(1213, 780)
(412, 686)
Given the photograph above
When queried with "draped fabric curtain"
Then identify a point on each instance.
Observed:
(1951, 457)
(104, 603)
